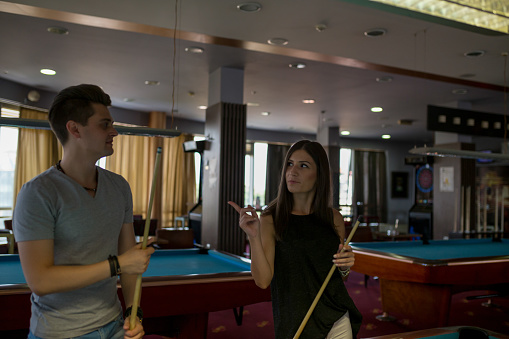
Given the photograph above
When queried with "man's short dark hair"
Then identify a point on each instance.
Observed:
(74, 103)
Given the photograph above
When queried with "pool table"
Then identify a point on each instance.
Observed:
(441, 333)
(417, 280)
(179, 289)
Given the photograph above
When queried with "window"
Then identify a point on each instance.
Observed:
(8, 149)
(197, 167)
(255, 174)
(248, 175)
(345, 182)
(260, 173)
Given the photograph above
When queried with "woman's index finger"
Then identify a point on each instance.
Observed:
(234, 205)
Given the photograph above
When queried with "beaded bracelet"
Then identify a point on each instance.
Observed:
(344, 273)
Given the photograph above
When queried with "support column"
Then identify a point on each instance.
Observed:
(328, 136)
(223, 176)
(453, 206)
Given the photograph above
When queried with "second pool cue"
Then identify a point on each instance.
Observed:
(319, 294)
(137, 290)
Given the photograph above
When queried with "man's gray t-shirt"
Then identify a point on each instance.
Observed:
(85, 231)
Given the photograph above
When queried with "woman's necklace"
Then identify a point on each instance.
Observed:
(61, 170)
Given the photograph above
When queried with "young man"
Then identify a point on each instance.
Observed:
(73, 225)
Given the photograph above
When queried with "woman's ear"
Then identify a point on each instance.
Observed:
(72, 129)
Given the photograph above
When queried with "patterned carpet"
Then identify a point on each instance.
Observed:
(257, 320)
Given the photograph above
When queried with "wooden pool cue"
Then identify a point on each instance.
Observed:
(319, 294)
(137, 290)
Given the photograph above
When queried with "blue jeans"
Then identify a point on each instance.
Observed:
(113, 330)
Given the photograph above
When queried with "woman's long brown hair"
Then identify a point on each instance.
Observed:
(281, 207)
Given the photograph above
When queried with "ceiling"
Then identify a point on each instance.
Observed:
(120, 44)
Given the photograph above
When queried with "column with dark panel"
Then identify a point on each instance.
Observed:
(328, 136)
(223, 176)
(454, 205)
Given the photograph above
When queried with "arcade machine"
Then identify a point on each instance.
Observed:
(420, 216)
(194, 213)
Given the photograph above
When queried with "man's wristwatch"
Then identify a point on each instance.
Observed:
(139, 313)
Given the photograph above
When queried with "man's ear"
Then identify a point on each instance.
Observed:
(72, 129)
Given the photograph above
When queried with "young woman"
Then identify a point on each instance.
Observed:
(294, 244)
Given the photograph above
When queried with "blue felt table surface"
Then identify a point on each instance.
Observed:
(455, 335)
(441, 249)
(162, 263)
(184, 262)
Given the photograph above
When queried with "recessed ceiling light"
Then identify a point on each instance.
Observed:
(249, 7)
(384, 79)
(376, 109)
(278, 41)
(321, 27)
(128, 100)
(375, 32)
(265, 113)
(152, 82)
(386, 136)
(47, 71)
(345, 132)
(298, 65)
(308, 101)
(194, 49)
(253, 104)
(460, 91)
(58, 30)
(474, 54)
(202, 107)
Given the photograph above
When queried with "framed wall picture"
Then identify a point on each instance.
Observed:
(399, 185)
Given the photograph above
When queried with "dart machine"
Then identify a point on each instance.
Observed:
(420, 216)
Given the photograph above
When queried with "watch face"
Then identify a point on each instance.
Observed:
(424, 179)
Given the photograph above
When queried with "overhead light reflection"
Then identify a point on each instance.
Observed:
(445, 152)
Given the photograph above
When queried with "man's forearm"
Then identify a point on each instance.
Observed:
(128, 283)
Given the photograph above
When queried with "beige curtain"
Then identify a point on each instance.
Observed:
(134, 159)
(38, 150)
(179, 182)
(370, 184)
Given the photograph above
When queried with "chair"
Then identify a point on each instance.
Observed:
(8, 224)
(180, 222)
(12, 246)
(363, 234)
(174, 238)
(139, 227)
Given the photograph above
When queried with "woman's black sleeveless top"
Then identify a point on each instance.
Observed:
(303, 259)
